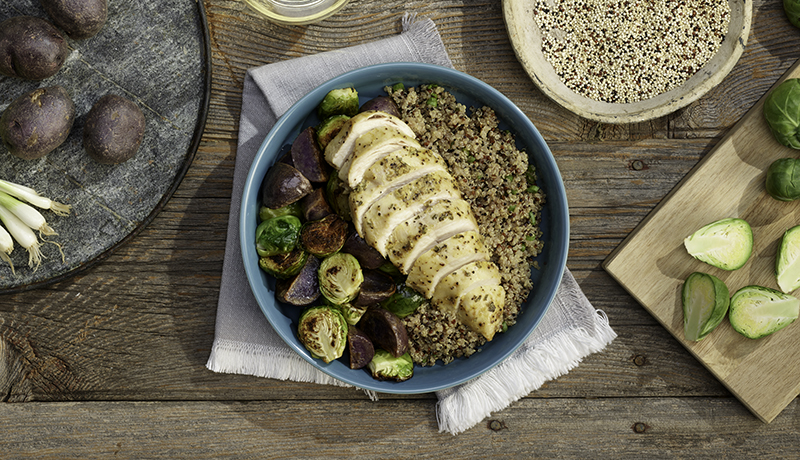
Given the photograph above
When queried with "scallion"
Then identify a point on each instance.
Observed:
(27, 214)
(6, 246)
(23, 235)
(31, 196)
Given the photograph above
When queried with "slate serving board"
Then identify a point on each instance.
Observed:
(156, 53)
(652, 262)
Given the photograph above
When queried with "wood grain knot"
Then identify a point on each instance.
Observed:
(497, 425)
(639, 427)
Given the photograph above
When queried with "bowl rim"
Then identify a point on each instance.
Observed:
(555, 206)
(525, 38)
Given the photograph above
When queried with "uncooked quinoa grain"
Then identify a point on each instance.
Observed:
(625, 51)
(495, 178)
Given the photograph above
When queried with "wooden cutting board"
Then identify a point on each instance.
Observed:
(651, 263)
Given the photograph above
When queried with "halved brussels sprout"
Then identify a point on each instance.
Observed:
(323, 331)
(329, 128)
(325, 236)
(294, 209)
(277, 235)
(705, 303)
(384, 366)
(339, 101)
(286, 265)
(787, 261)
(352, 313)
(404, 301)
(340, 278)
(757, 311)
(725, 244)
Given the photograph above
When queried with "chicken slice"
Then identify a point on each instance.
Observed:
(481, 309)
(341, 147)
(390, 173)
(381, 218)
(447, 294)
(371, 147)
(434, 224)
(444, 258)
(474, 294)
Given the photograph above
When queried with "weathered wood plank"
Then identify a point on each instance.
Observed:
(533, 428)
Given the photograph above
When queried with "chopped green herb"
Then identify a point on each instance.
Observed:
(512, 208)
(509, 177)
(398, 87)
(433, 101)
(530, 175)
(530, 238)
(532, 217)
(532, 189)
(470, 159)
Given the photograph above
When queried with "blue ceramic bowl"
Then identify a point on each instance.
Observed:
(370, 81)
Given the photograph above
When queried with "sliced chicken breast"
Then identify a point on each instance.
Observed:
(371, 147)
(447, 295)
(444, 258)
(341, 147)
(434, 224)
(390, 173)
(394, 208)
(473, 292)
(481, 309)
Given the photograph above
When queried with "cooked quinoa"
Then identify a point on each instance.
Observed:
(621, 51)
(493, 176)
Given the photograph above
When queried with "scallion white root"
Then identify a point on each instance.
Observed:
(6, 246)
(31, 196)
(23, 235)
(27, 214)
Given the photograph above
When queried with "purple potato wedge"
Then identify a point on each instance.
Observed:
(386, 330)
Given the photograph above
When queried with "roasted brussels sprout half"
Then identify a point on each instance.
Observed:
(277, 235)
(265, 213)
(323, 331)
(352, 313)
(340, 278)
(384, 366)
(286, 265)
(340, 101)
(404, 301)
(325, 236)
(329, 128)
(338, 196)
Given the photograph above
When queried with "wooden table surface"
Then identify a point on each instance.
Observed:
(111, 363)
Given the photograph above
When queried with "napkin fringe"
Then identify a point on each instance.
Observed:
(463, 409)
(231, 357)
(251, 359)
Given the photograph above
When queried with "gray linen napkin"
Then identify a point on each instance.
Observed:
(244, 341)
